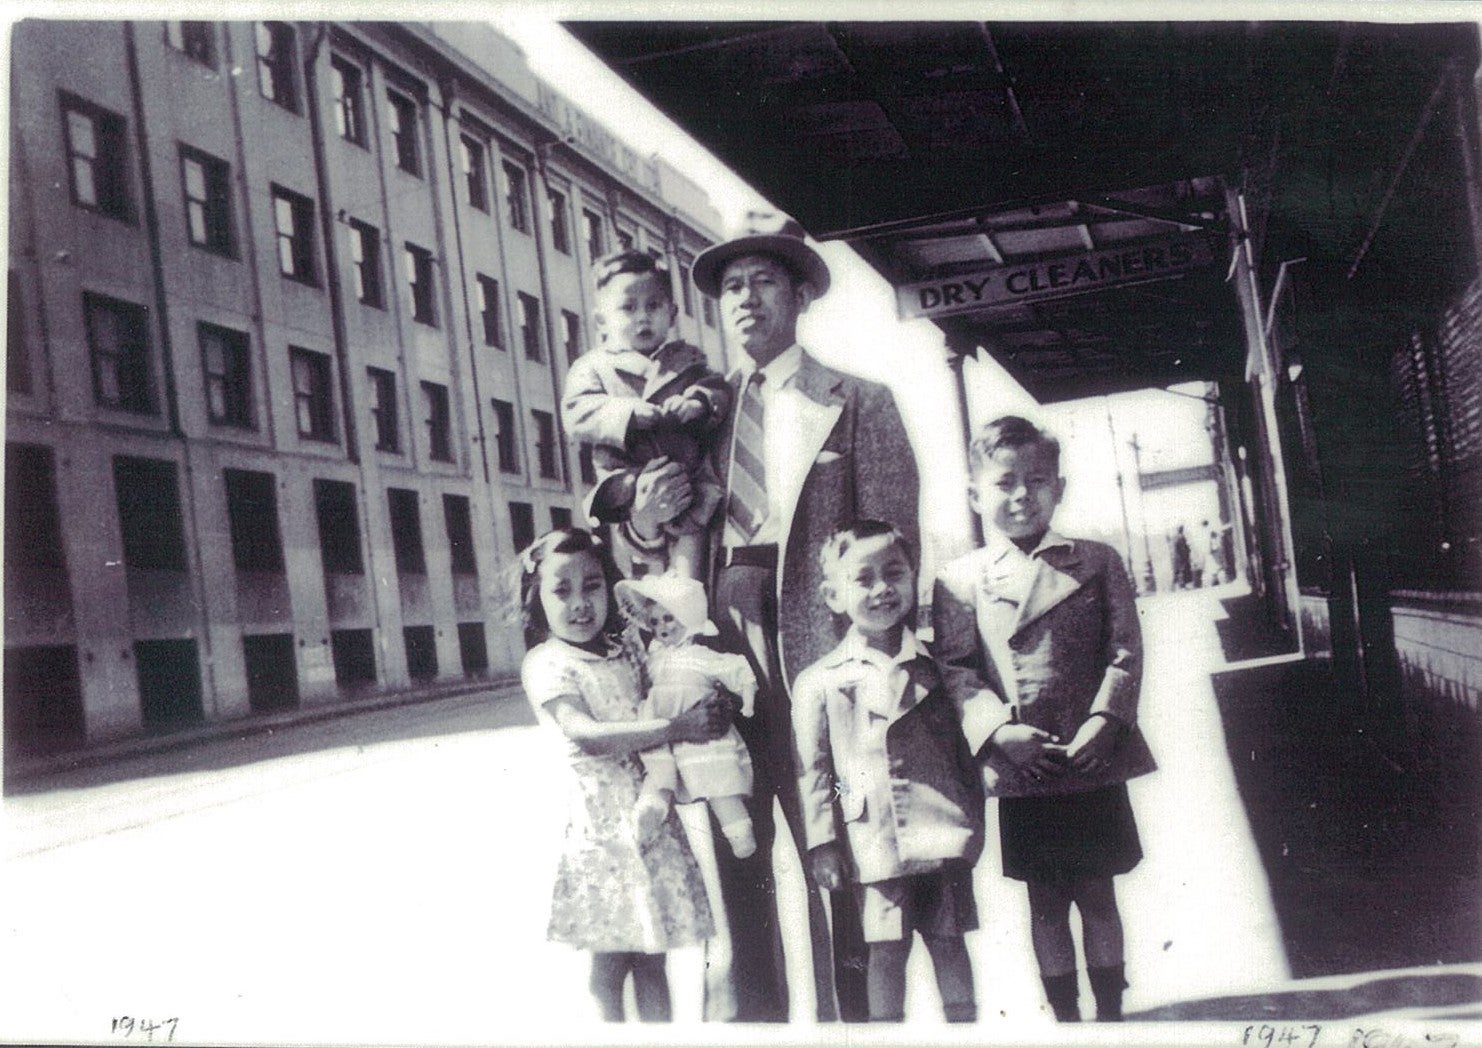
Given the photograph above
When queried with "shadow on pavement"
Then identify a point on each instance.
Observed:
(261, 739)
(1372, 854)
(1441, 990)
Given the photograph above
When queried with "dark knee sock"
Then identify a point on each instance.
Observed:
(1107, 985)
(1061, 991)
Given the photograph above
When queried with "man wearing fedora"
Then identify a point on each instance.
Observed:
(806, 450)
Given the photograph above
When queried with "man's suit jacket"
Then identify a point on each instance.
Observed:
(1046, 640)
(861, 465)
(893, 768)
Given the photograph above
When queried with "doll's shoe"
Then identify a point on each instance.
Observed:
(742, 838)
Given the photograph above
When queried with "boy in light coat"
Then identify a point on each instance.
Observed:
(890, 795)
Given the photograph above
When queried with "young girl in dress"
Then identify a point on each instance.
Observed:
(624, 901)
(683, 672)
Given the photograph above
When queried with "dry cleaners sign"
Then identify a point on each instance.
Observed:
(1051, 278)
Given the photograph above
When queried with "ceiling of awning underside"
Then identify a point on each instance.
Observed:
(946, 147)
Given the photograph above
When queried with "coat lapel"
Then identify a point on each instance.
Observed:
(1050, 586)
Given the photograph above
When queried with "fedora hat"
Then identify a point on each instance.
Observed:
(763, 233)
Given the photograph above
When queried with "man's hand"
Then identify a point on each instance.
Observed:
(684, 410)
(1094, 743)
(706, 720)
(828, 866)
(661, 493)
(1034, 752)
(646, 415)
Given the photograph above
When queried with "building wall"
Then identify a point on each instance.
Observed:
(101, 642)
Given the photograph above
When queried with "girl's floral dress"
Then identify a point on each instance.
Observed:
(612, 895)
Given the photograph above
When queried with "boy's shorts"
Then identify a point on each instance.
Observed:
(1070, 836)
(939, 903)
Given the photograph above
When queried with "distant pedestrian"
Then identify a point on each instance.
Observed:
(627, 901)
(1183, 562)
(1038, 641)
(1214, 556)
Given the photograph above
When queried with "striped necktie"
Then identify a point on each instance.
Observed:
(747, 507)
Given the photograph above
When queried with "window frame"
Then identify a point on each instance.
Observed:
(574, 335)
(317, 401)
(196, 40)
(405, 125)
(110, 185)
(276, 79)
(256, 547)
(215, 206)
(299, 242)
(532, 338)
(516, 195)
(506, 437)
(348, 86)
(384, 411)
(596, 234)
(560, 222)
(422, 282)
(131, 361)
(238, 409)
(474, 158)
(439, 422)
(547, 444)
(365, 261)
(491, 310)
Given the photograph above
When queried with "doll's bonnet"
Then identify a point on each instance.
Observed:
(683, 598)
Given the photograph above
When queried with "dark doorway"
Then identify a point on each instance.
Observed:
(169, 683)
(421, 645)
(354, 658)
(272, 676)
(473, 649)
(43, 700)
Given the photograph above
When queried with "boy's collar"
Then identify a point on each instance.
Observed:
(1001, 545)
(856, 646)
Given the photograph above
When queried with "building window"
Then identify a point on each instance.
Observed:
(312, 396)
(383, 409)
(530, 326)
(349, 100)
(521, 524)
(227, 366)
(460, 534)
(17, 360)
(560, 227)
(571, 331)
(118, 336)
(516, 199)
(475, 171)
(545, 443)
(365, 252)
(208, 200)
(354, 655)
(252, 511)
(707, 310)
(473, 649)
(439, 422)
(625, 240)
(419, 279)
(406, 531)
(560, 517)
(193, 39)
(421, 648)
(275, 51)
(293, 216)
(586, 465)
(33, 522)
(339, 527)
(97, 158)
(489, 310)
(504, 437)
(149, 513)
(271, 671)
(686, 296)
(596, 241)
(403, 113)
